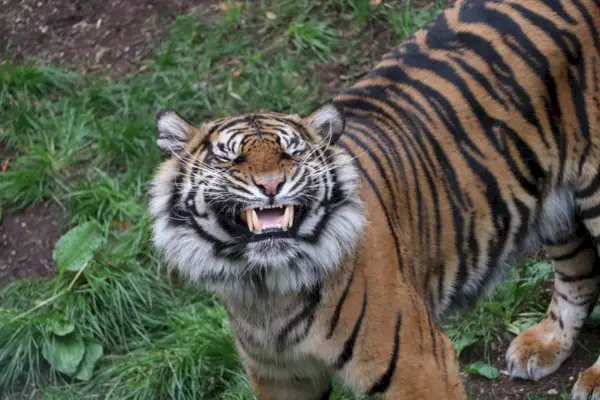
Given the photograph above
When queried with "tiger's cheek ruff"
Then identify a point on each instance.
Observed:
(177, 236)
(194, 242)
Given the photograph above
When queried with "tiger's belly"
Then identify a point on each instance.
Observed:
(521, 241)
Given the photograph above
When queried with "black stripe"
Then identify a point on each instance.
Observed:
(383, 383)
(502, 75)
(420, 336)
(432, 335)
(229, 143)
(443, 353)
(379, 196)
(517, 40)
(348, 349)
(230, 123)
(590, 189)
(590, 213)
(573, 302)
(338, 307)
(396, 164)
(483, 80)
(559, 9)
(306, 314)
(575, 278)
(177, 215)
(388, 150)
(443, 108)
(487, 123)
(331, 204)
(591, 25)
(493, 127)
(582, 246)
(572, 51)
(417, 163)
(579, 231)
(327, 394)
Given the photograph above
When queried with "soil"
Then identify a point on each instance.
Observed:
(87, 35)
(116, 36)
(503, 387)
(27, 240)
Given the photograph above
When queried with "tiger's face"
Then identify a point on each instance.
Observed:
(263, 201)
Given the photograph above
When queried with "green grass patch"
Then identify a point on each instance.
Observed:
(510, 308)
(115, 325)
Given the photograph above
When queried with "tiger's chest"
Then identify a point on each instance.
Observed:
(274, 329)
(276, 346)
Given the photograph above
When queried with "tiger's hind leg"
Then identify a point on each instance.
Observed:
(541, 349)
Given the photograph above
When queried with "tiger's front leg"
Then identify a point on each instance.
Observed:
(416, 376)
(401, 355)
(541, 349)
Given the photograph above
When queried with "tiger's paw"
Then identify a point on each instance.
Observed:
(587, 386)
(537, 352)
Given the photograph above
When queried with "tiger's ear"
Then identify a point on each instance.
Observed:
(328, 122)
(173, 132)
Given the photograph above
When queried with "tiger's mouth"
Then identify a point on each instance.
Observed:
(269, 218)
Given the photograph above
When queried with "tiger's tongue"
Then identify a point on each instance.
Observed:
(269, 218)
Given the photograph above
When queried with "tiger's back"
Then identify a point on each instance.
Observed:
(480, 132)
(473, 142)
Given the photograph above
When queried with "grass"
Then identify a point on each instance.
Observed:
(87, 143)
(511, 308)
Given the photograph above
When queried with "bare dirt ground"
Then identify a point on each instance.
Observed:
(115, 36)
(479, 388)
(88, 35)
(27, 239)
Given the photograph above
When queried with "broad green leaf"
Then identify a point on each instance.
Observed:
(462, 343)
(76, 248)
(93, 353)
(521, 324)
(483, 369)
(64, 353)
(61, 327)
(512, 328)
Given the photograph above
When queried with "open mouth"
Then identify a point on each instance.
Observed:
(269, 218)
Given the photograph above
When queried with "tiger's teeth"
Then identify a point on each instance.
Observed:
(249, 219)
(290, 216)
(284, 221)
(256, 222)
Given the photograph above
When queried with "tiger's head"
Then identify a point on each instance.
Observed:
(264, 201)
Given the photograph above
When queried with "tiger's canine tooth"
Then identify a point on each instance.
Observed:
(291, 216)
(249, 219)
(257, 226)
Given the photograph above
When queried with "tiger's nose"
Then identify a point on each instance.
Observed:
(270, 185)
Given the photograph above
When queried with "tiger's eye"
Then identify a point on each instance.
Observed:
(239, 159)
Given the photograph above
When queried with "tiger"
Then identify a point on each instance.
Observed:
(337, 241)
